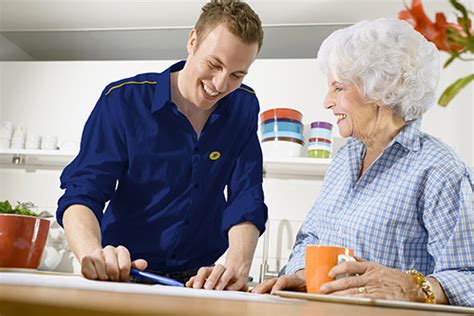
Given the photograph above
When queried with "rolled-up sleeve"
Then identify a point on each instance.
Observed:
(244, 189)
(449, 220)
(90, 179)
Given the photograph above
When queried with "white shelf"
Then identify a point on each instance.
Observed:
(35, 159)
(38, 152)
(299, 166)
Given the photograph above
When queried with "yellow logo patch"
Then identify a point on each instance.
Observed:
(214, 155)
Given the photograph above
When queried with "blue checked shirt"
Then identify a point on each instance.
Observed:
(411, 209)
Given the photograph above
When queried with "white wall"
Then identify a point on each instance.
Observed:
(454, 124)
(55, 98)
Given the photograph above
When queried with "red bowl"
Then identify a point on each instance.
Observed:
(22, 240)
(280, 113)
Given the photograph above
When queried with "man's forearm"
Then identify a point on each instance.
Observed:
(82, 230)
(242, 243)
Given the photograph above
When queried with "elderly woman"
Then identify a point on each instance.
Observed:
(399, 197)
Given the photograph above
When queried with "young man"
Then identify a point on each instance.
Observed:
(162, 147)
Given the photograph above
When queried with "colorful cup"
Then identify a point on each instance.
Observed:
(319, 153)
(283, 134)
(281, 113)
(277, 126)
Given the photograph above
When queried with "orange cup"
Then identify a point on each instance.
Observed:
(319, 261)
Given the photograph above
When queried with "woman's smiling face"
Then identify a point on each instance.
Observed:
(354, 113)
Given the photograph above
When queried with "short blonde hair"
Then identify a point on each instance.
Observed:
(238, 17)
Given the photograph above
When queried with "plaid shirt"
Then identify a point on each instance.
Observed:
(411, 209)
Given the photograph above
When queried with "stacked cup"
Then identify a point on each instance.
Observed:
(6, 133)
(19, 138)
(282, 132)
(320, 143)
(33, 141)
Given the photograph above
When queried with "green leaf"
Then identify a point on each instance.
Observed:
(21, 209)
(465, 18)
(450, 59)
(454, 89)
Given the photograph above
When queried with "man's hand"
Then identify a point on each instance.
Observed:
(110, 264)
(233, 275)
(83, 235)
(292, 282)
(220, 277)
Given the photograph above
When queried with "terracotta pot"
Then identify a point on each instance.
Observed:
(22, 240)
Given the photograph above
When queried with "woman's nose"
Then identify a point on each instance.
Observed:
(328, 102)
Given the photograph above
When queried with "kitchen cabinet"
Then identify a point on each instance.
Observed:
(157, 30)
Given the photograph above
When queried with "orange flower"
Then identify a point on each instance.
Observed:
(456, 39)
(436, 32)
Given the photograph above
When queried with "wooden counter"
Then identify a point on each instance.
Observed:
(35, 300)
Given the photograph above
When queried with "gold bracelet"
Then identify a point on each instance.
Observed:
(425, 286)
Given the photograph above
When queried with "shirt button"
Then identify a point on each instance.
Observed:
(196, 185)
(196, 149)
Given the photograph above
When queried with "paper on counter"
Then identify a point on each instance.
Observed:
(78, 282)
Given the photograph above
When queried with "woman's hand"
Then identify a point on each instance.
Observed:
(294, 282)
(374, 281)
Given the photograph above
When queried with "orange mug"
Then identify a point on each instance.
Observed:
(320, 260)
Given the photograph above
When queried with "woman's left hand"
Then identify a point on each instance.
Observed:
(374, 281)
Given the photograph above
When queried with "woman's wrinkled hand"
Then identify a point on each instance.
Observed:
(286, 282)
(374, 281)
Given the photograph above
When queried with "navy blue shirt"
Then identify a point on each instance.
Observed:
(166, 185)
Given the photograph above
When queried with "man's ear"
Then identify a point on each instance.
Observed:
(192, 42)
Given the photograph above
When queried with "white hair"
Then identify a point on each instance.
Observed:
(388, 60)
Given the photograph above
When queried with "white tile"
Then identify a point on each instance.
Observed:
(290, 199)
(54, 191)
(25, 187)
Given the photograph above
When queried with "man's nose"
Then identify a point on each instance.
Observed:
(220, 82)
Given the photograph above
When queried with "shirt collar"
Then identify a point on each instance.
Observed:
(408, 137)
(163, 87)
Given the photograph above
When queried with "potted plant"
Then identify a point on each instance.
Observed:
(23, 235)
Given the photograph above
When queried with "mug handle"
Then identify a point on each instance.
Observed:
(341, 259)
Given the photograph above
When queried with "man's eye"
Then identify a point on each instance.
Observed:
(237, 76)
(337, 89)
